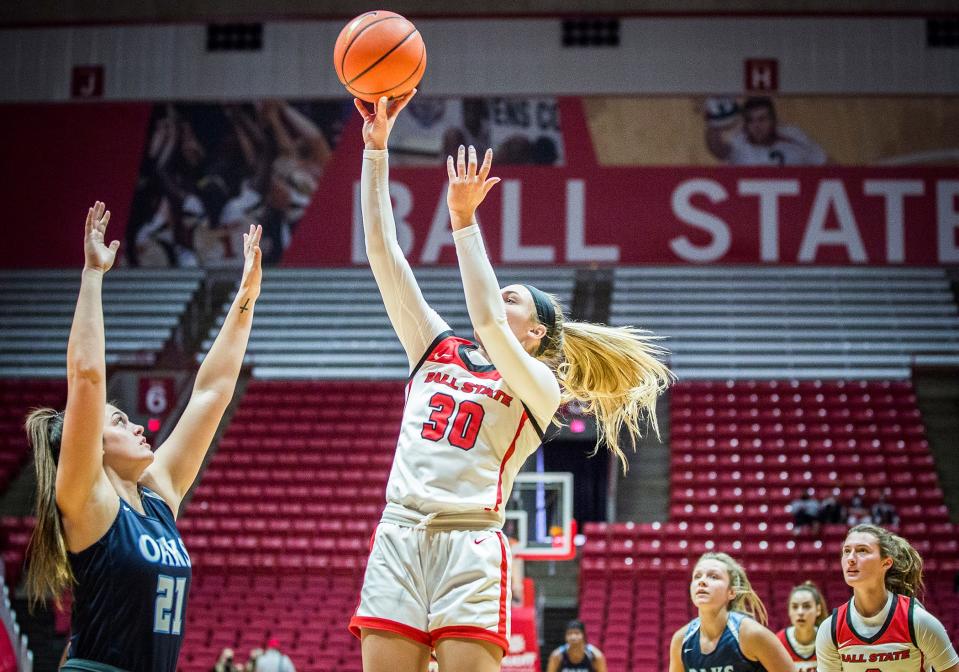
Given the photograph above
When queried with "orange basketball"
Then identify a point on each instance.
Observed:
(379, 54)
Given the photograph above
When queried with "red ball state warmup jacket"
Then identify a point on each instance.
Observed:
(892, 649)
(800, 664)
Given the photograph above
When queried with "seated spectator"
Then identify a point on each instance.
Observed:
(274, 661)
(805, 512)
(225, 662)
(884, 512)
(858, 514)
(830, 510)
(251, 661)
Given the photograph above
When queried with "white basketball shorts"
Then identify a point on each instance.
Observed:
(427, 584)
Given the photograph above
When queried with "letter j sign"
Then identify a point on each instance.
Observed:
(86, 81)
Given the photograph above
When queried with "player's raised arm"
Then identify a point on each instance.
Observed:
(532, 379)
(178, 460)
(416, 324)
(80, 464)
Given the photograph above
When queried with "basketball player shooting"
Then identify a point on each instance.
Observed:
(438, 574)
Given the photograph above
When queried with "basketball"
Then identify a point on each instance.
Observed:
(379, 54)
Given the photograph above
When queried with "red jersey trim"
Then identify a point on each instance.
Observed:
(506, 457)
(371, 623)
(894, 630)
(449, 351)
(791, 651)
(440, 338)
(470, 632)
(503, 587)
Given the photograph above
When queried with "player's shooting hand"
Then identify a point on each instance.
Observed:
(378, 123)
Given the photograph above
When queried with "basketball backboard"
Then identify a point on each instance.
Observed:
(539, 516)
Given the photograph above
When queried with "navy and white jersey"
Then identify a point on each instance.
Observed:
(726, 657)
(585, 665)
(129, 607)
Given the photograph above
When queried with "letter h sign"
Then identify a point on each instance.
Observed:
(762, 74)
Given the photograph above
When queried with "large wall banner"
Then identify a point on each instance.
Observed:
(719, 180)
(614, 180)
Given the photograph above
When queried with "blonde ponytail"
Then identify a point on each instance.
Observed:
(745, 599)
(48, 570)
(905, 575)
(616, 373)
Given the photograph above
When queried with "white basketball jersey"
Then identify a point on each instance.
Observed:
(892, 649)
(464, 435)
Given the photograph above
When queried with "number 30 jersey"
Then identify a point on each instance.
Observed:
(464, 435)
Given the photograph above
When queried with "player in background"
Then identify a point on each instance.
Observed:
(730, 633)
(439, 566)
(761, 140)
(883, 627)
(576, 655)
(106, 504)
(807, 609)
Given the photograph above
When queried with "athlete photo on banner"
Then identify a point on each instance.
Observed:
(209, 171)
(762, 130)
(521, 131)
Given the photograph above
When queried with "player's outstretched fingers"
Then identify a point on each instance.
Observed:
(487, 165)
(471, 171)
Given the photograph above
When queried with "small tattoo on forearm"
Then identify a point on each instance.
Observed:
(244, 308)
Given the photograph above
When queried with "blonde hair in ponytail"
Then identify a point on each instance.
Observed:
(745, 599)
(48, 570)
(615, 372)
(905, 575)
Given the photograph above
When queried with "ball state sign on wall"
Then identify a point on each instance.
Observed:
(585, 213)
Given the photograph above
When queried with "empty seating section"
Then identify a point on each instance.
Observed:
(279, 527)
(17, 397)
(756, 323)
(141, 308)
(331, 323)
(741, 452)
(307, 613)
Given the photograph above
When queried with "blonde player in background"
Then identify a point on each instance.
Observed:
(883, 627)
(730, 633)
(807, 609)
(439, 566)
